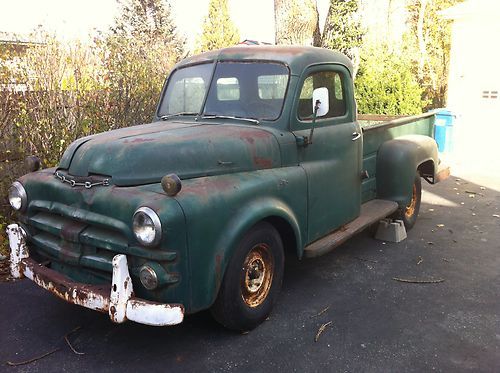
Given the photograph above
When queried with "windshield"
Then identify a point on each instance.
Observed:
(253, 90)
(186, 90)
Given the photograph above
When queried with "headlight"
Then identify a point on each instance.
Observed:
(146, 226)
(18, 198)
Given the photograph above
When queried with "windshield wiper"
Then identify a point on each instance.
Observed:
(213, 116)
(168, 116)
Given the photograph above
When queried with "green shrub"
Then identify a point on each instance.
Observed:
(386, 84)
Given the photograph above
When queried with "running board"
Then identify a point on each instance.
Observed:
(371, 212)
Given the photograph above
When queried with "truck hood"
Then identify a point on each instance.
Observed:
(144, 154)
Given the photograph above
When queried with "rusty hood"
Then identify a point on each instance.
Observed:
(144, 154)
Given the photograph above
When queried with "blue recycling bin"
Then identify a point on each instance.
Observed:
(443, 130)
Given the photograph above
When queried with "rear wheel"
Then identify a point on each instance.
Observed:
(409, 213)
(252, 280)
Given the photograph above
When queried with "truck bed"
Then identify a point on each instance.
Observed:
(376, 131)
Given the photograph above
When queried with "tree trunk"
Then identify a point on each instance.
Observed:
(421, 40)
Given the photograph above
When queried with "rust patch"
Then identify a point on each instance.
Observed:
(208, 186)
(137, 303)
(71, 230)
(81, 294)
(249, 140)
(258, 275)
(262, 162)
(252, 133)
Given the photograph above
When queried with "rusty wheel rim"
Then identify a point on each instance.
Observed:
(258, 269)
(410, 209)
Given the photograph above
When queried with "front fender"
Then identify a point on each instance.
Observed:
(397, 163)
(219, 210)
(252, 213)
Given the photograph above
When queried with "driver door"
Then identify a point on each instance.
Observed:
(333, 161)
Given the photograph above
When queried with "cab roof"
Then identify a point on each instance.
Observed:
(296, 57)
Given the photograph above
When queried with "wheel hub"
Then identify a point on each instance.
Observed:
(410, 209)
(257, 275)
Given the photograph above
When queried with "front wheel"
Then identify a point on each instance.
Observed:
(252, 280)
(409, 213)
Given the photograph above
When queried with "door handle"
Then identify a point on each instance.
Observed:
(355, 136)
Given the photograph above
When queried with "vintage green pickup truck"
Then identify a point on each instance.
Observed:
(254, 152)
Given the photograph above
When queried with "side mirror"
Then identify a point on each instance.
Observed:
(321, 95)
(320, 109)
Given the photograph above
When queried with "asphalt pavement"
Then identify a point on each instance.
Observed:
(374, 322)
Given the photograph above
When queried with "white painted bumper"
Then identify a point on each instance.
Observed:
(118, 302)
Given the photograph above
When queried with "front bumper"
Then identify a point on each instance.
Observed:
(117, 300)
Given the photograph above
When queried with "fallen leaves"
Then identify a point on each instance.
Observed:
(24, 362)
(321, 312)
(69, 343)
(321, 330)
(411, 281)
(36, 358)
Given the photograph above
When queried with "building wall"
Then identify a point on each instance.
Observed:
(475, 77)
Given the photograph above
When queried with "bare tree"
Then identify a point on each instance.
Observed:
(296, 21)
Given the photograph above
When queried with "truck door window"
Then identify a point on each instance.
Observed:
(338, 88)
(330, 80)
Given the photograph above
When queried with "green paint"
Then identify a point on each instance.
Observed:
(234, 174)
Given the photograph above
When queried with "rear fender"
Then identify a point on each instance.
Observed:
(397, 162)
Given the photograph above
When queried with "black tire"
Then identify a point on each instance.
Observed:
(409, 213)
(252, 280)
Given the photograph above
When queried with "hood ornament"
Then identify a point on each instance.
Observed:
(73, 183)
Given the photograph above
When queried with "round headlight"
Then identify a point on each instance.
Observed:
(18, 198)
(146, 226)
